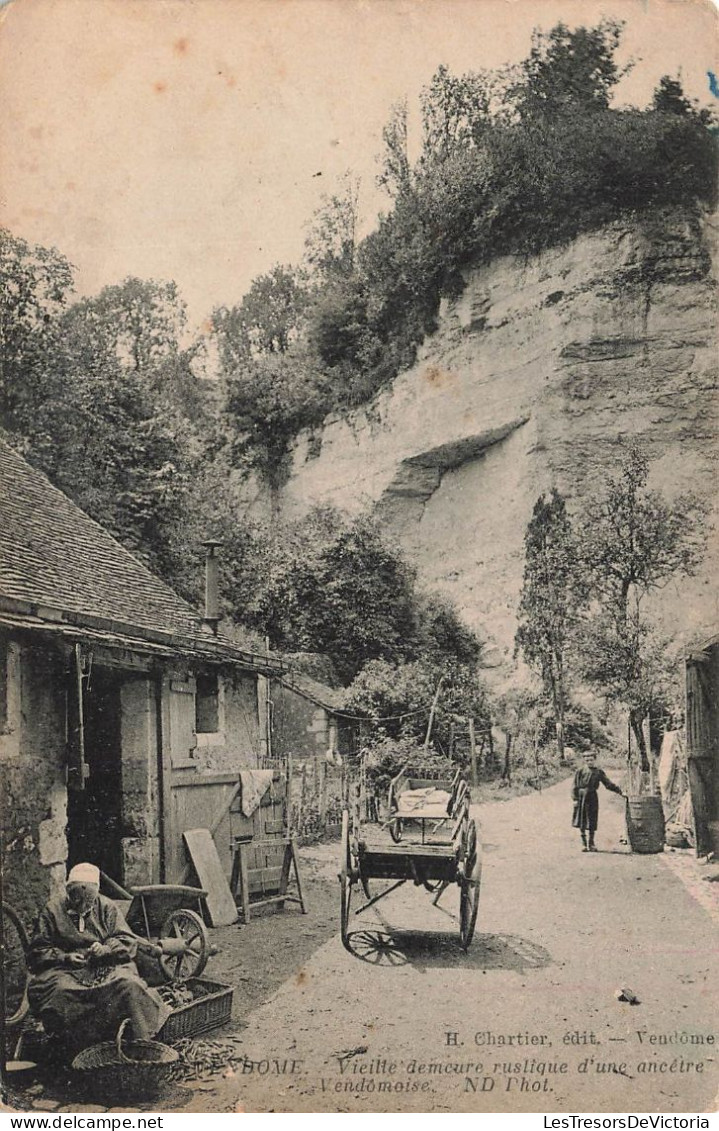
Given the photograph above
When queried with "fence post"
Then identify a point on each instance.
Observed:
(323, 796)
(302, 797)
(472, 753)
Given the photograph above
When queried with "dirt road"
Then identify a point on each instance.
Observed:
(528, 1020)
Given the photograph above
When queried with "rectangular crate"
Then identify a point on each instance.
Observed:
(200, 1016)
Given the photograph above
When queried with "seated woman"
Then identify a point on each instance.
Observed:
(84, 981)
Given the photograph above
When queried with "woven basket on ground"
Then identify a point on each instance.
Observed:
(136, 1067)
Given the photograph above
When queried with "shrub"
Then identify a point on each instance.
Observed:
(385, 757)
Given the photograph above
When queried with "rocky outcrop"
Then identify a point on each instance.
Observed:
(538, 375)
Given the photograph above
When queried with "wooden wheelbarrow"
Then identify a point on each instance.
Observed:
(167, 921)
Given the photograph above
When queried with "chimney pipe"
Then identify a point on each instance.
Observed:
(211, 619)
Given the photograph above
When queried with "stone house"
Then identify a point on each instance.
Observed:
(306, 718)
(123, 712)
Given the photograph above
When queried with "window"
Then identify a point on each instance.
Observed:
(207, 704)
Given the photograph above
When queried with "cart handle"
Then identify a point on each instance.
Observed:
(120, 892)
(392, 801)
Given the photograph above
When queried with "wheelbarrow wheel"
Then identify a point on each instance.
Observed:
(181, 962)
(345, 880)
(15, 972)
(469, 888)
(396, 829)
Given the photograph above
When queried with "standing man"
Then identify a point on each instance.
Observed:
(586, 802)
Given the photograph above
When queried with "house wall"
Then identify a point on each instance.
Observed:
(33, 792)
(238, 742)
(33, 789)
(299, 727)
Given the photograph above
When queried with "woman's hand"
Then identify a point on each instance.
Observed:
(98, 952)
(76, 958)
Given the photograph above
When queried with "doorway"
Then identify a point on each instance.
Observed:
(94, 814)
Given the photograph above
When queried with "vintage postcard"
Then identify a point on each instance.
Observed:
(359, 626)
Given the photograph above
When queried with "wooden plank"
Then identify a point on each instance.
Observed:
(206, 862)
(370, 851)
(265, 879)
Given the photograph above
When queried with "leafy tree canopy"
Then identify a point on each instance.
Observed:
(569, 70)
(549, 602)
(267, 320)
(632, 541)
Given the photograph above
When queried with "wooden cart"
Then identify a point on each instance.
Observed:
(449, 852)
(425, 801)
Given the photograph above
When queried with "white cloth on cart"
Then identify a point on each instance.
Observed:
(429, 802)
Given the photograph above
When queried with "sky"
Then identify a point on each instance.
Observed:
(193, 139)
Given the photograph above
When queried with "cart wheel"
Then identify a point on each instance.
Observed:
(15, 974)
(469, 888)
(189, 962)
(396, 829)
(345, 880)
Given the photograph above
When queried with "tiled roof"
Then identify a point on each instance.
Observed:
(56, 559)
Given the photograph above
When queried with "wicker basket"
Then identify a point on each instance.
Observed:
(208, 1011)
(137, 1068)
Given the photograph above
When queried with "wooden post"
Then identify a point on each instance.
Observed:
(303, 787)
(268, 708)
(433, 708)
(290, 786)
(480, 752)
(507, 771)
(473, 777)
(323, 796)
(171, 846)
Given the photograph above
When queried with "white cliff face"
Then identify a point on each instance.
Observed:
(538, 376)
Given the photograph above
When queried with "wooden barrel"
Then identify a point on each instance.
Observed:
(645, 823)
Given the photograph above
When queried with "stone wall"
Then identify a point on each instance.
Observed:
(33, 795)
(539, 375)
(299, 727)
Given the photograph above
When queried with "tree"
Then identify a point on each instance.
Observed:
(35, 285)
(332, 234)
(396, 699)
(549, 602)
(106, 437)
(267, 320)
(395, 170)
(669, 98)
(91, 395)
(569, 70)
(138, 321)
(515, 712)
(329, 584)
(632, 542)
(269, 399)
(455, 112)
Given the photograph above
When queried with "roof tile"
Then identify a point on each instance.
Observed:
(53, 554)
